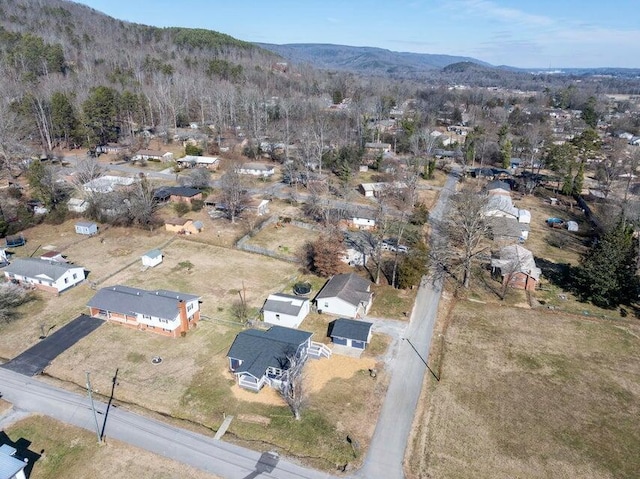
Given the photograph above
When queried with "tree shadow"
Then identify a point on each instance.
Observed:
(558, 274)
(23, 452)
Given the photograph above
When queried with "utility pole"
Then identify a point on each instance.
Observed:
(93, 408)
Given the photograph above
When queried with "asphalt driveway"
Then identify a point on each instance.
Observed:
(35, 359)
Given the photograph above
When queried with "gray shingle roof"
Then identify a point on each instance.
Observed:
(259, 350)
(126, 300)
(36, 267)
(348, 287)
(284, 304)
(154, 253)
(351, 329)
(9, 465)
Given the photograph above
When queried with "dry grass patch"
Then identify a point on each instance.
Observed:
(46, 313)
(216, 274)
(527, 393)
(557, 245)
(283, 238)
(389, 302)
(73, 452)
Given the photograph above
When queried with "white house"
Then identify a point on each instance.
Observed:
(190, 161)
(42, 274)
(285, 310)
(346, 295)
(152, 258)
(86, 228)
(500, 206)
(153, 155)
(256, 169)
(107, 183)
(524, 216)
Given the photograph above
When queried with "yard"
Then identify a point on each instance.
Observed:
(67, 451)
(193, 382)
(531, 393)
(283, 238)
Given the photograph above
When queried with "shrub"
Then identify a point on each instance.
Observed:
(181, 208)
(197, 205)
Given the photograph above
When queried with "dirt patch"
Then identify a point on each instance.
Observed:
(254, 419)
(320, 372)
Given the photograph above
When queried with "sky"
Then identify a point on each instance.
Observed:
(522, 33)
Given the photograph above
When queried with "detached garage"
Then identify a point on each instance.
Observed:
(350, 332)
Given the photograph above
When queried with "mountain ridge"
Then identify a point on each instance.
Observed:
(372, 60)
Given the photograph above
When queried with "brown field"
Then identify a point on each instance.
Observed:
(531, 393)
(283, 238)
(73, 452)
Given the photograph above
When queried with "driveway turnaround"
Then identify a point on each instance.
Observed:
(35, 359)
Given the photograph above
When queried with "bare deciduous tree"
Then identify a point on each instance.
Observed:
(462, 232)
(292, 386)
(233, 194)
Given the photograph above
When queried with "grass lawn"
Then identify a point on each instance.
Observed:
(67, 451)
(532, 393)
(389, 302)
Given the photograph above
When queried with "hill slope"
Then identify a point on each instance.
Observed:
(367, 60)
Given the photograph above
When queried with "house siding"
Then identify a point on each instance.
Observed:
(338, 307)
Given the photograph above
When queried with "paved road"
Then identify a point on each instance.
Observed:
(386, 452)
(203, 452)
(35, 359)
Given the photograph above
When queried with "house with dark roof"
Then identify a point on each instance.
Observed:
(498, 187)
(258, 358)
(160, 311)
(177, 194)
(285, 310)
(10, 466)
(346, 295)
(52, 276)
(352, 333)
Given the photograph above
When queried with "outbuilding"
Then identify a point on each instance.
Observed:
(350, 332)
(86, 228)
(152, 258)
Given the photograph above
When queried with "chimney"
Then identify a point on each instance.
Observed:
(184, 322)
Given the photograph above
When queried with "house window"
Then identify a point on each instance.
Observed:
(66, 280)
(75, 275)
(189, 307)
(163, 320)
(326, 304)
(146, 316)
(277, 316)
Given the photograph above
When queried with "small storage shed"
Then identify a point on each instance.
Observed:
(572, 226)
(350, 332)
(86, 228)
(152, 258)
